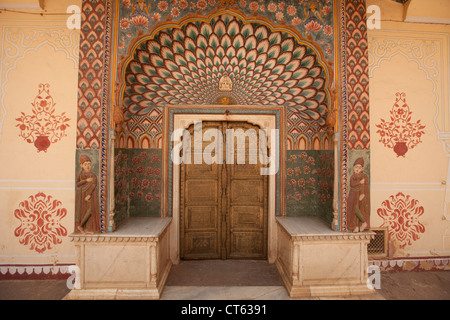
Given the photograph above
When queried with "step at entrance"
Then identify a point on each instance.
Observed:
(224, 273)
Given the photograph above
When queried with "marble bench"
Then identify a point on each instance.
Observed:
(314, 260)
(130, 263)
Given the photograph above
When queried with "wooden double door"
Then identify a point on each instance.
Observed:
(223, 206)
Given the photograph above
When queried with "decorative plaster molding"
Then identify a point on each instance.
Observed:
(426, 52)
(44, 271)
(339, 236)
(414, 264)
(102, 238)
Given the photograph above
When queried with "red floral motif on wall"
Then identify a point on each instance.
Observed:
(43, 127)
(400, 133)
(401, 215)
(40, 222)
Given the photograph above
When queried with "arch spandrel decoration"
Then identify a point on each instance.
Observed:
(184, 63)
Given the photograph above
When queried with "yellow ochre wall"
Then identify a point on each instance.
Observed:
(411, 59)
(37, 50)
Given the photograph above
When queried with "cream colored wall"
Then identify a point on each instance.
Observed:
(37, 50)
(412, 58)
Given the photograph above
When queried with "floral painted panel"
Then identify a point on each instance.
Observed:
(401, 214)
(312, 18)
(401, 133)
(40, 219)
(137, 183)
(43, 126)
(309, 187)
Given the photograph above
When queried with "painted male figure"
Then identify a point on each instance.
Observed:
(358, 218)
(86, 206)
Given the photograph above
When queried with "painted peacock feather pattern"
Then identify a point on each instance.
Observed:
(185, 66)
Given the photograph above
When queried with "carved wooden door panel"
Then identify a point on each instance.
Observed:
(223, 207)
(201, 205)
(247, 199)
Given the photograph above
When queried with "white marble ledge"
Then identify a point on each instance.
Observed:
(135, 230)
(313, 228)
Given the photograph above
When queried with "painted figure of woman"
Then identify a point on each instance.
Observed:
(358, 217)
(86, 206)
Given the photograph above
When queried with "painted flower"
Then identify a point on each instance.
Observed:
(313, 26)
(328, 30)
(145, 184)
(175, 12)
(162, 5)
(202, 4)
(281, 6)
(296, 21)
(262, 8)
(291, 10)
(155, 183)
(290, 172)
(306, 169)
(155, 158)
(183, 4)
(272, 7)
(326, 10)
(279, 15)
(311, 160)
(140, 170)
(297, 196)
(149, 197)
(144, 155)
(139, 21)
(149, 171)
(301, 182)
(136, 160)
(156, 16)
(254, 6)
(212, 2)
(126, 3)
(125, 23)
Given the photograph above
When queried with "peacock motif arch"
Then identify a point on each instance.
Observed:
(185, 63)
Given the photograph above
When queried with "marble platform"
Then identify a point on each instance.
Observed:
(130, 263)
(314, 260)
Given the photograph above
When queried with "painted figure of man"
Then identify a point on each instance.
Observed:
(358, 217)
(86, 206)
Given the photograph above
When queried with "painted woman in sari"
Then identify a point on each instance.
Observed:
(358, 215)
(86, 205)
